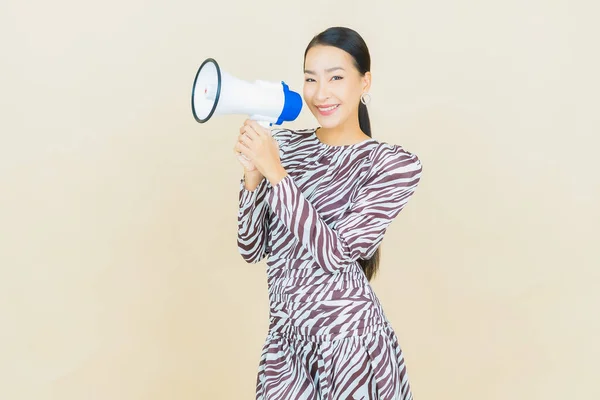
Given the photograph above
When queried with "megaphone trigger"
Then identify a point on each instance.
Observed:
(263, 121)
(265, 124)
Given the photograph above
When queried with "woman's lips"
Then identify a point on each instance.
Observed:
(327, 109)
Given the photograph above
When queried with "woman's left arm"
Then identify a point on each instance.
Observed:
(359, 232)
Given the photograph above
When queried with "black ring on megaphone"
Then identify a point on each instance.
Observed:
(212, 60)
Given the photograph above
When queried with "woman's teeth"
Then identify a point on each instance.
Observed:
(328, 108)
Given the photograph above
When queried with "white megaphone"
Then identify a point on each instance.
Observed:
(215, 92)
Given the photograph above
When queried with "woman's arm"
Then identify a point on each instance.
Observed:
(393, 179)
(253, 214)
(252, 221)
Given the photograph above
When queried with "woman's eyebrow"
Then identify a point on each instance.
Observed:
(307, 71)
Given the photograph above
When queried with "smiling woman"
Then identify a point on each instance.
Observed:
(318, 202)
(336, 69)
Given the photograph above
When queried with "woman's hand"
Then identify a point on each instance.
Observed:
(249, 167)
(261, 151)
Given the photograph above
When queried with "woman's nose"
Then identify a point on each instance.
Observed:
(322, 92)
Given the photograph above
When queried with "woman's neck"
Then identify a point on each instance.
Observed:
(342, 134)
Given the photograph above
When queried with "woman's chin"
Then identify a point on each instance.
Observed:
(327, 123)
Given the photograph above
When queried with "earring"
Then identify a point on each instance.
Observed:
(366, 100)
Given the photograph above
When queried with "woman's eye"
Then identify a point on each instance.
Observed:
(337, 78)
(309, 80)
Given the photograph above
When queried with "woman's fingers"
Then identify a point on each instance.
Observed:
(243, 138)
(258, 128)
(243, 148)
(250, 132)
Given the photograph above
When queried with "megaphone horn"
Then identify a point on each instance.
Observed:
(215, 92)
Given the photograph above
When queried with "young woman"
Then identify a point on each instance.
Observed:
(318, 202)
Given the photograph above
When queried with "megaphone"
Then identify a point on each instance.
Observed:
(215, 92)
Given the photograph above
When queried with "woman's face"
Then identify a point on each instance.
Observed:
(333, 85)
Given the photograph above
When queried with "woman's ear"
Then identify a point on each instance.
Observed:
(366, 81)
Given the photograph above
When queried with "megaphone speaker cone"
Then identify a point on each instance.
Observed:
(206, 90)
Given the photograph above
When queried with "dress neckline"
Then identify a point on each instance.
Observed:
(341, 146)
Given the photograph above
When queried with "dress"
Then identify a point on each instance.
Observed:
(328, 337)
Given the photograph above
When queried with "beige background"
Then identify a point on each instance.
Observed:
(119, 272)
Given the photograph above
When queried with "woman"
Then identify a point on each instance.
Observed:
(318, 202)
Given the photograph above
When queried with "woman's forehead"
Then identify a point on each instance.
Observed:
(322, 58)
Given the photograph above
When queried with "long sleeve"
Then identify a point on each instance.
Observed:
(393, 179)
(252, 222)
(253, 213)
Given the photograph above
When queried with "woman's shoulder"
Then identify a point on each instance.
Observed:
(286, 133)
(291, 138)
(278, 130)
(391, 158)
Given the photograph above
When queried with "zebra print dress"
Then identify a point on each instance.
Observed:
(328, 337)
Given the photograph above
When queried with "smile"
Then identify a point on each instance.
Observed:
(328, 109)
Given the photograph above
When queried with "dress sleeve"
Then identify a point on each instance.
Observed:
(252, 222)
(392, 180)
(253, 213)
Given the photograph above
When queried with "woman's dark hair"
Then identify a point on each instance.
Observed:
(352, 43)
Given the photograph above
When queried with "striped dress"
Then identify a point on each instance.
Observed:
(328, 337)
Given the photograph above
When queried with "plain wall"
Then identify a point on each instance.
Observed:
(119, 271)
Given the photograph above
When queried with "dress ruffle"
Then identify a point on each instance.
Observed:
(368, 366)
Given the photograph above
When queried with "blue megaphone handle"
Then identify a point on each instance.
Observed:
(291, 107)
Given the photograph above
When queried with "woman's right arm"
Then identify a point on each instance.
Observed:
(254, 211)
(252, 217)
